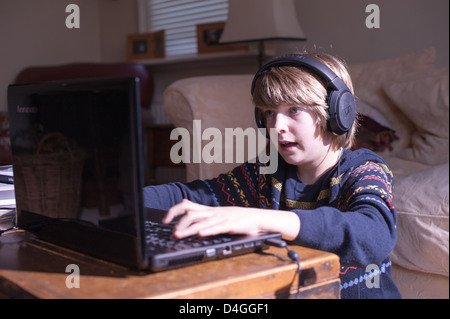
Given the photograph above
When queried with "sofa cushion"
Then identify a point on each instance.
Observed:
(370, 78)
(374, 131)
(425, 101)
(374, 75)
(422, 202)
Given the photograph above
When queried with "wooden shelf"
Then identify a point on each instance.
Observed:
(196, 58)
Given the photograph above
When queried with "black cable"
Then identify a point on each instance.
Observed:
(295, 257)
(292, 255)
(341, 151)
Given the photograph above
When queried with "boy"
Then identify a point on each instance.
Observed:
(322, 196)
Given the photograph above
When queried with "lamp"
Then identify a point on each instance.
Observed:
(261, 20)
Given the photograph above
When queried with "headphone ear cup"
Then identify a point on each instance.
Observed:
(341, 110)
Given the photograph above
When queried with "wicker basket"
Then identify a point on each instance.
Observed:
(50, 183)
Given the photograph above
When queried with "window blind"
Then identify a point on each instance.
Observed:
(179, 19)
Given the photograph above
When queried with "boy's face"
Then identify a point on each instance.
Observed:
(299, 141)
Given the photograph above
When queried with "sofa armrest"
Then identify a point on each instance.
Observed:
(217, 102)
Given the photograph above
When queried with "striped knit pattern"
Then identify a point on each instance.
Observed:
(367, 182)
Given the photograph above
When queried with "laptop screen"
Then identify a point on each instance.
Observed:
(78, 164)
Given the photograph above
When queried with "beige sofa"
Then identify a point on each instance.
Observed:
(406, 97)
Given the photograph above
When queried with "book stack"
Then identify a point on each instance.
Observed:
(7, 196)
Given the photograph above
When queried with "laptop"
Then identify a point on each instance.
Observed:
(78, 162)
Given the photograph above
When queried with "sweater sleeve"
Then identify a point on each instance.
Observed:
(236, 188)
(363, 230)
(166, 195)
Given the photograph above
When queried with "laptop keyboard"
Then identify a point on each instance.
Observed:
(159, 236)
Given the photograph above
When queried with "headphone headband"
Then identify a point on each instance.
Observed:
(340, 100)
(300, 60)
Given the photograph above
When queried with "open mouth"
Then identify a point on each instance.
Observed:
(287, 145)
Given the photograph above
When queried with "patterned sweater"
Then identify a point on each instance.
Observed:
(348, 211)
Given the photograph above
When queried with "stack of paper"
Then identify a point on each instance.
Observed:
(7, 196)
(6, 174)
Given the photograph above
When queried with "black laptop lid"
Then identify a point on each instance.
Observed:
(78, 165)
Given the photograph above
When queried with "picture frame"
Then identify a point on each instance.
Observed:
(208, 36)
(146, 46)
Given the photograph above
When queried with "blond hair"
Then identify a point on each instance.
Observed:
(294, 85)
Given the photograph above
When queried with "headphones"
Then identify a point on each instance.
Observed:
(340, 100)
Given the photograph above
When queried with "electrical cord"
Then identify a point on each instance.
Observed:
(292, 255)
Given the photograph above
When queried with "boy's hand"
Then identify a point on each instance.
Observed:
(204, 220)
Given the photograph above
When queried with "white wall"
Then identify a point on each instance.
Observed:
(337, 26)
(34, 33)
(405, 26)
(118, 18)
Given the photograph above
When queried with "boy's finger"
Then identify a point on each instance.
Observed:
(173, 212)
(178, 210)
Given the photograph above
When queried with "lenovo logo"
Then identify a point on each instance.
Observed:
(27, 109)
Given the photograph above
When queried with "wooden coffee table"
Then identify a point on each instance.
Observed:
(31, 268)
